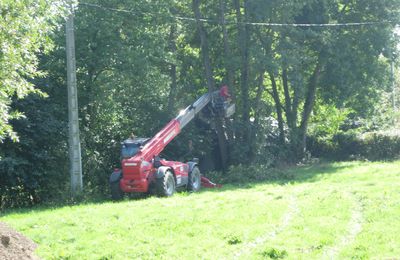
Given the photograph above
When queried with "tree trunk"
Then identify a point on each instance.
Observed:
(260, 91)
(295, 104)
(309, 105)
(288, 100)
(228, 65)
(243, 40)
(172, 70)
(278, 106)
(227, 51)
(204, 46)
(210, 82)
(257, 109)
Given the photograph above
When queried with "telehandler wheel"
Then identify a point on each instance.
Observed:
(165, 187)
(194, 183)
(116, 192)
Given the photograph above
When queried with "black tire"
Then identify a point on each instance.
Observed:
(194, 183)
(116, 192)
(165, 187)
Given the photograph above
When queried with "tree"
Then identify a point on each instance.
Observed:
(24, 34)
(339, 65)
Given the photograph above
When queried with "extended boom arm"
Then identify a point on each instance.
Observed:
(155, 146)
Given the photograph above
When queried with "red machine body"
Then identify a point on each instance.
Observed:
(142, 169)
(138, 171)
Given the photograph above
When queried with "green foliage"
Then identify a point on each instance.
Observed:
(381, 145)
(350, 145)
(33, 170)
(384, 115)
(352, 72)
(327, 122)
(24, 34)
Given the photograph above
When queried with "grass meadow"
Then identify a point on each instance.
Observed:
(347, 210)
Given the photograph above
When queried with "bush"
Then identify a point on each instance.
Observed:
(381, 145)
(349, 145)
(35, 169)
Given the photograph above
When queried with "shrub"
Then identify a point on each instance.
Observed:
(381, 145)
(349, 145)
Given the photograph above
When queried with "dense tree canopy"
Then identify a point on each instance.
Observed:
(140, 62)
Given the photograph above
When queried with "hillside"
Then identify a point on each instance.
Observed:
(340, 210)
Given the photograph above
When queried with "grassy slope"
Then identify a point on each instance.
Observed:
(344, 210)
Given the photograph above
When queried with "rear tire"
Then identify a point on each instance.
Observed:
(165, 186)
(116, 192)
(194, 183)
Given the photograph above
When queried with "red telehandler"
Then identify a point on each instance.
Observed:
(142, 169)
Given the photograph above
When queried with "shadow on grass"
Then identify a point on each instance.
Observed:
(284, 175)
(77, 202)
(280, 176)
(313, 173)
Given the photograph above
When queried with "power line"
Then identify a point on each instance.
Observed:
(206, 20)
(319, 25)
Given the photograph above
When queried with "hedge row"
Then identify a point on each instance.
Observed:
(372, 146)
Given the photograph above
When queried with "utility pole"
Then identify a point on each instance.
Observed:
(74, 145)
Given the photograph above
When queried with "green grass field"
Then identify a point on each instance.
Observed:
(328, 211)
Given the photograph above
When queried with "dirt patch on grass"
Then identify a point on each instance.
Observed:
(13, 245)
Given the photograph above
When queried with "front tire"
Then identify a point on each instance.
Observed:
(165, 186)
(194, 183)
(116, 192)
